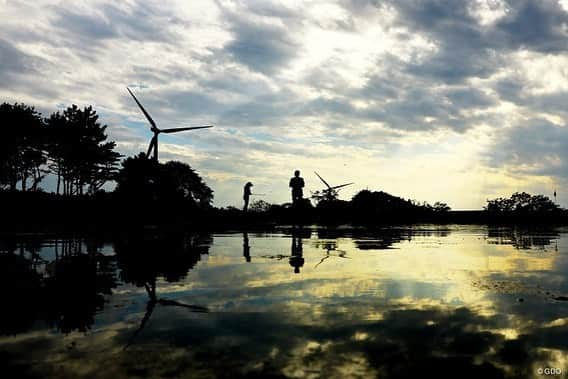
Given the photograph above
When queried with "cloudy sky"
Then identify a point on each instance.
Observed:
(457, 101)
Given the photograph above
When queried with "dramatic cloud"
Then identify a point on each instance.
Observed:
(433, 100)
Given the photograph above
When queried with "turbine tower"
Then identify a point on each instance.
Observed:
(153, 148)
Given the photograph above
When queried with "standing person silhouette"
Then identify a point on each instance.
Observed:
(297, 183)
(246, 195)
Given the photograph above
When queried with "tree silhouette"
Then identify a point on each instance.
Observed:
(79, 154)
(521, 202)
(180, 181)
(21, 147)
(325, 196)
(143, 179)
(260, 206)
(441, 207)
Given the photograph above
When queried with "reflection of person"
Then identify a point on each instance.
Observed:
(297, 255)
(246, 247)
(246, 195)
(297, 183)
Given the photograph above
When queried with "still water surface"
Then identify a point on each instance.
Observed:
(427, 301)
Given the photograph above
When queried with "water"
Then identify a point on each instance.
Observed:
(428, 301)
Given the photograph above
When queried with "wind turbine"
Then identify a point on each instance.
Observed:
(153, 148)
(330, 193)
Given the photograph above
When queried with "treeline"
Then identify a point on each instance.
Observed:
(72, 145)
(365, 208)
(378, 207)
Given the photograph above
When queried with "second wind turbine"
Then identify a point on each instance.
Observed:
(153, 148)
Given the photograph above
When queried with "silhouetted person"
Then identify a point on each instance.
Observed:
(246, 195)
(297, 183)
(246, 247)
(297, 255)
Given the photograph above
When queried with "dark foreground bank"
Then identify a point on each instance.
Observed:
(106, 212)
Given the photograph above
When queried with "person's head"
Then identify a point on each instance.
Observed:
(249, 184)
(297, 173)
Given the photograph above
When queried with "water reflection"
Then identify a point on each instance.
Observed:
(143, 258)
(524, 237)
(64, 292)
(397, 302)
(296, 252)
(246, 247)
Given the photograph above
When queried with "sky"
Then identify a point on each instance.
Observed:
(433, 100)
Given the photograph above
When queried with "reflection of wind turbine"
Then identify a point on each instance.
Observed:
(153, 148)
(330, 193)
(151, 289)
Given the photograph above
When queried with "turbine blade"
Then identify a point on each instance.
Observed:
(175, 130)
(342, 185)
(324, 182)
(143, 110)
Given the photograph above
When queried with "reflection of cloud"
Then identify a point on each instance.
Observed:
(436, 341)
(398, 313)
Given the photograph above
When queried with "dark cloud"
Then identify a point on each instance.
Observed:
(142, 22)
(454, 65)
(467, 49)
(139, 22)
(510, 89)
(468, 98)
(537, 25)
(463, 49)
(262, 37)
(21, 71)
(92, 27)
(14, 62)
(261, 48)
(537, 147)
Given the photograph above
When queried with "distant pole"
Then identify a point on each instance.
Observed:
(554, 196)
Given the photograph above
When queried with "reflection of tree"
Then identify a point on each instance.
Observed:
(385, 238)
(522, 238)
(77, 281)
(144, 258)
(22, 293)
(66, 292)
(70, 289)
(76, 290)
